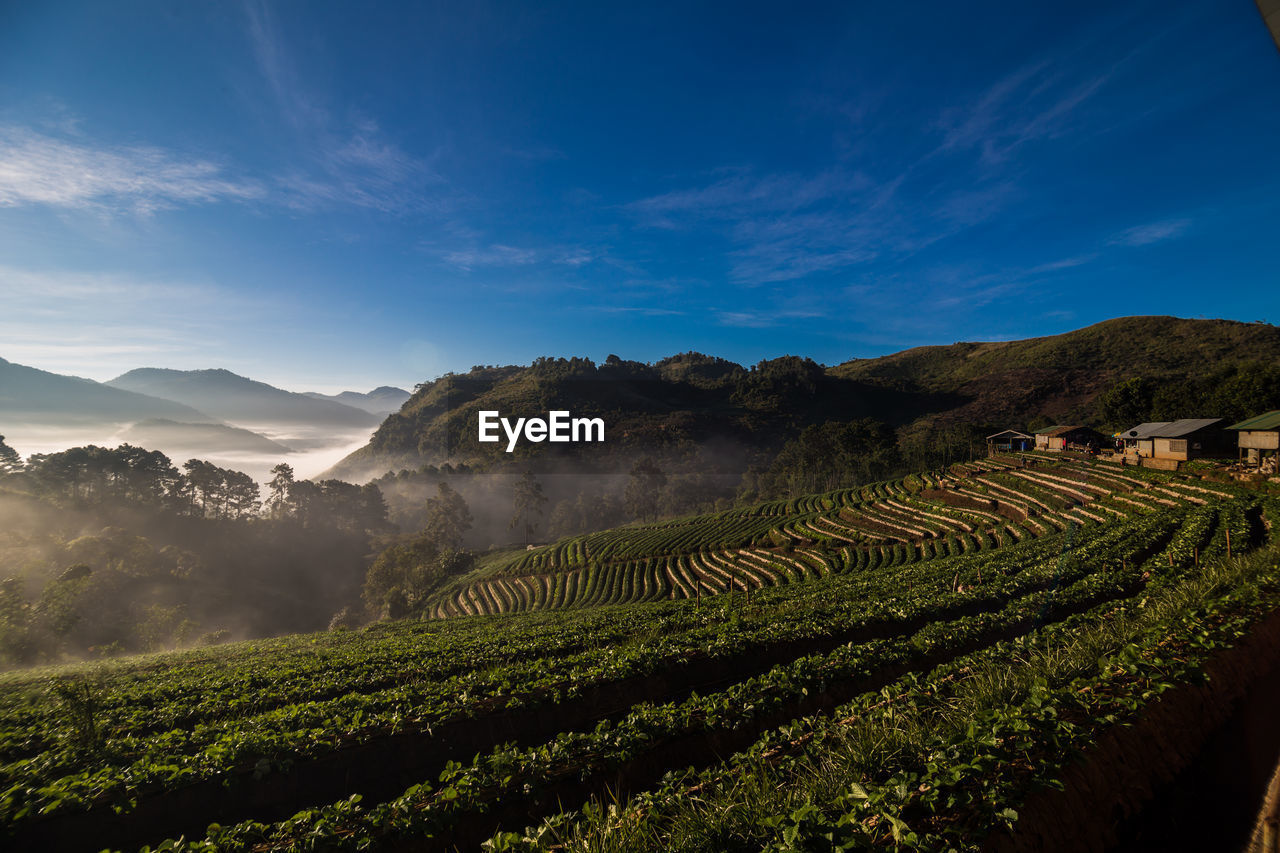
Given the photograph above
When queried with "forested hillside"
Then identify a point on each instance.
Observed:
(711, 433)
(692, 400)
(110, 551)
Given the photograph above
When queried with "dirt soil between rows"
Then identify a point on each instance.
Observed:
(1189, 774)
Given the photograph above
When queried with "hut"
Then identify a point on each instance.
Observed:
(1138, 442)
(1068, 437)
(1009, 441)
(1190, 438)
(1258, 440)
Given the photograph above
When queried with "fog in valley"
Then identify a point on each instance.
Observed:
(252, 448)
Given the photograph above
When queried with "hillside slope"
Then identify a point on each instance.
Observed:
(679, 404)
(30, 395)
(183, 439)
(697, 401)
(382, 400)
(1057, 377)
(238, 399)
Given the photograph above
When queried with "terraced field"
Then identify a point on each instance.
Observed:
(968, 509)
(925, 689)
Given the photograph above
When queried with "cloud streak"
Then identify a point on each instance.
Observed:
(498, 255)
(38, 169)
(1027, 105)
(64, 320)
(346, 162)
(1152, 232)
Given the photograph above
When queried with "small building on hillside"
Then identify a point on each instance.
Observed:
(1138, 440)
(1258, 440)
(1009, 441)
(1068, 437)
(1190, 438)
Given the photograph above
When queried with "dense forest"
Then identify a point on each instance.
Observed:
(108, 551)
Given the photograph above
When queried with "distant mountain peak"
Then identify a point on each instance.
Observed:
(381, 401)
(39, 396)
(239, 399)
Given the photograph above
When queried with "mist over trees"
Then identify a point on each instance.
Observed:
(527, 506)
(828, 456)
(10, 461)
(448, 517)
(110, 550)
(642, 499)
(106, 551)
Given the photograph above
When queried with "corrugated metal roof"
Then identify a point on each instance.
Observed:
(1144, 430)
(1059, 429)
(1266, 421)
(1012, 433)
(1183, 427)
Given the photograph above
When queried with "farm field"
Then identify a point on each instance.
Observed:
(919, 663)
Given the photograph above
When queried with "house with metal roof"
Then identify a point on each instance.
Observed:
(1009, 441)
(1190, 438)
(1068, 437)
(1258, 440)
(1138, 440)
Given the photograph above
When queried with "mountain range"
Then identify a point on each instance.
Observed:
(693, 400)
(30, 395)
(239, 400)
(679, 405)
(381, 401)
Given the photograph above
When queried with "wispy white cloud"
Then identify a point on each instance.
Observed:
(292, 98)
(762, 319)
(966, 171)
(1034, 102)
(501, 255)
(73, 322)
(972, 205)
(731, 197)
(496, 255)
(1062, 264)
(640, 310)
(1152, 232)
(61, 172)
(344, 162)
(781, 226)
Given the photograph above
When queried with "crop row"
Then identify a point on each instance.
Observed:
(944, 760)
(65, 775)
(881, 513)
(435, 810)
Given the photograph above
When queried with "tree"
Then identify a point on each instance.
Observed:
(835, 454)
(371, 509)
(1127, 403)
(403, 576)
(16, 645)
(241, 495)
(528, 505)
(644, 489)
(278, 491)
(10, 461)
(448, 517)
(220, 492)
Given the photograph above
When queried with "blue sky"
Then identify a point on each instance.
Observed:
(332, 196)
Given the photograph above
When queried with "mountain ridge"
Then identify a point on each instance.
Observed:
(694, 398)
(239, 399)
(382, 400)
(29, 393)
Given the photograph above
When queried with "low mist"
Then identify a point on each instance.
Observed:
(309, 451)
